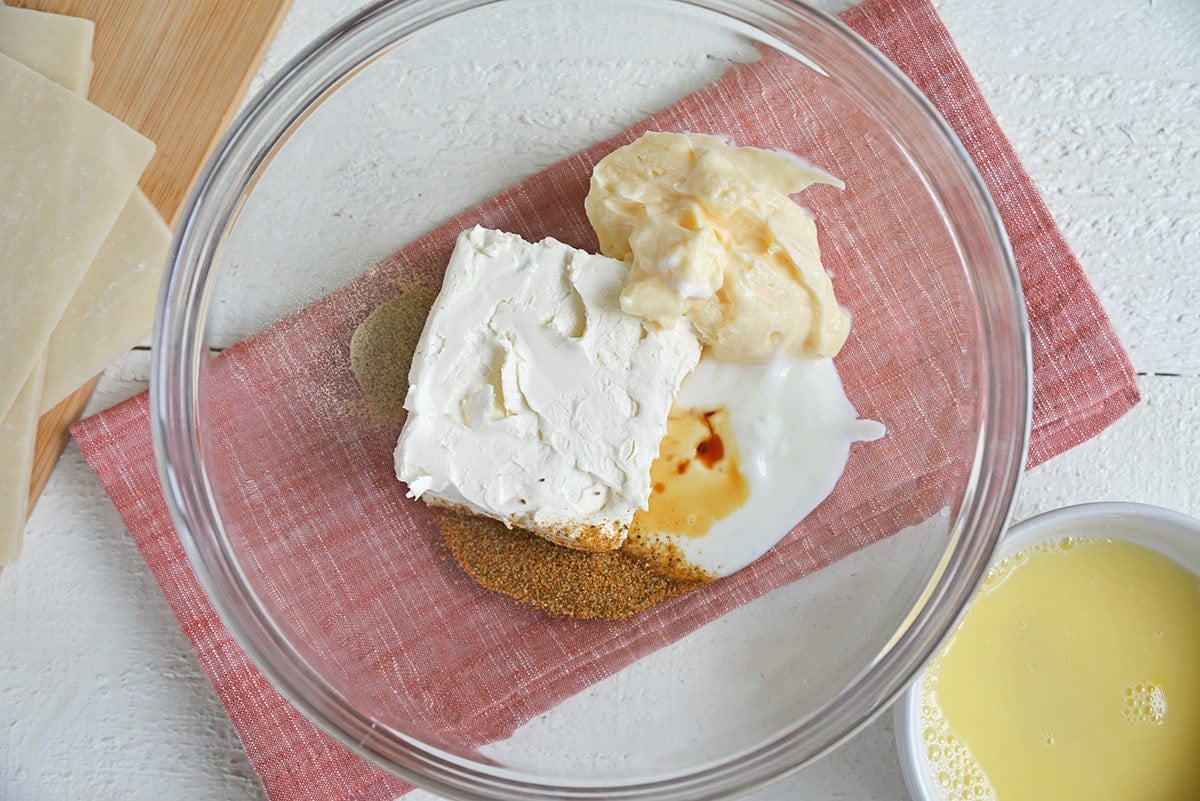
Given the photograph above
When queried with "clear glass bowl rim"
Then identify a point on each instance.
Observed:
(178, 352)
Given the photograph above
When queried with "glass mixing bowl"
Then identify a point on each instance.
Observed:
(409, 113)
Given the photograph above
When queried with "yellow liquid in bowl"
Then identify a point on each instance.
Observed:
(1075, 675)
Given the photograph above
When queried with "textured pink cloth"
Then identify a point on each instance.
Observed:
(305, 479)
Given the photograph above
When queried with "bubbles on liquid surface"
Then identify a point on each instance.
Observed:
(1004, 568)
(958, 774)
(1144, 703)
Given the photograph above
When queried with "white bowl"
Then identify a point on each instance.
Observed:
(1170, 533)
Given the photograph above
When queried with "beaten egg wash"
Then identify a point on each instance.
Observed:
(1075, 675)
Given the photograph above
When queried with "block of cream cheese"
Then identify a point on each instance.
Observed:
(533, 398)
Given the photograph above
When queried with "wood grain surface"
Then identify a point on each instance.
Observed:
(176, 72)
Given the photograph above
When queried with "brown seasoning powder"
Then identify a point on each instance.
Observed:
(381, 351)
(562, 581)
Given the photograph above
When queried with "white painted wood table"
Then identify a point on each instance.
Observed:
(101, 697)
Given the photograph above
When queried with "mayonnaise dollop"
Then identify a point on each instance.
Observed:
(711, 233)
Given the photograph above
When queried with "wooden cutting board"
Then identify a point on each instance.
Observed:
(176, 71)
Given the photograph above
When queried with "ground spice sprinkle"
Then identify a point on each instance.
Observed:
(562, 581)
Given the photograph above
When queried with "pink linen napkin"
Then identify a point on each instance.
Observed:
(297, 371)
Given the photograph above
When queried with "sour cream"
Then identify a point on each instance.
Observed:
(783, 431)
